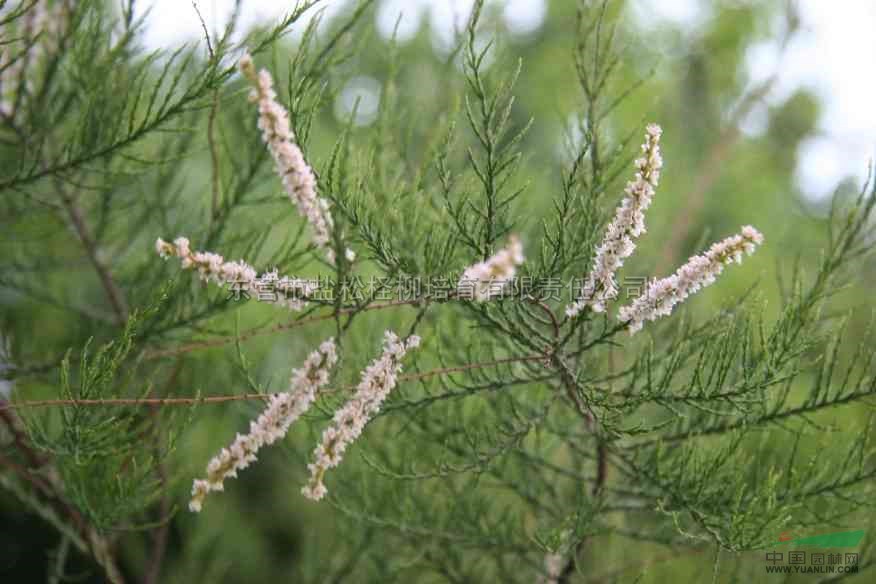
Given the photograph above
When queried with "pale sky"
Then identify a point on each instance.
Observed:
(833, 54)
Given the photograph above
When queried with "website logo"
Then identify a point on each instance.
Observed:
(800, 561)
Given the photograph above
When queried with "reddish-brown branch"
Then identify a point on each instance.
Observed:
(34, 459)
(113, 292)
(166, 401)
(255, 332)
(38, 483)
(601, 468)
(160, 535)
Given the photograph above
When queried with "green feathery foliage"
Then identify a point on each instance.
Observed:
(521, 443)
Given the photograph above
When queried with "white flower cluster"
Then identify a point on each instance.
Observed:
(378, 380)
(298, 178)
(36, 33)
(486, 279)
(699, 271)
(617, 244)
(282, 410)
(288, 292)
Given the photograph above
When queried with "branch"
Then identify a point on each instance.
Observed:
(113, 292)
(278, 328)
(165, 401)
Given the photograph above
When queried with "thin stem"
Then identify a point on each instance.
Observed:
(113, 292)
(215, 179)
(165, 401)
(278, 328)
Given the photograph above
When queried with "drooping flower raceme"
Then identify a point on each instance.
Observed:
(617, 244)
(486, 279)
(378, 380)
(282, 410)
(699, 271)
(297, 176)
(268, 287)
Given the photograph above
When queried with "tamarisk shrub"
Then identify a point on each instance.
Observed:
(412, 341)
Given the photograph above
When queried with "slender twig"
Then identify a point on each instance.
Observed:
(113, 292)
(216, 179)
(19, 438)
(160, 535)
(166, 401)
(83, 531)
(255, 332)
